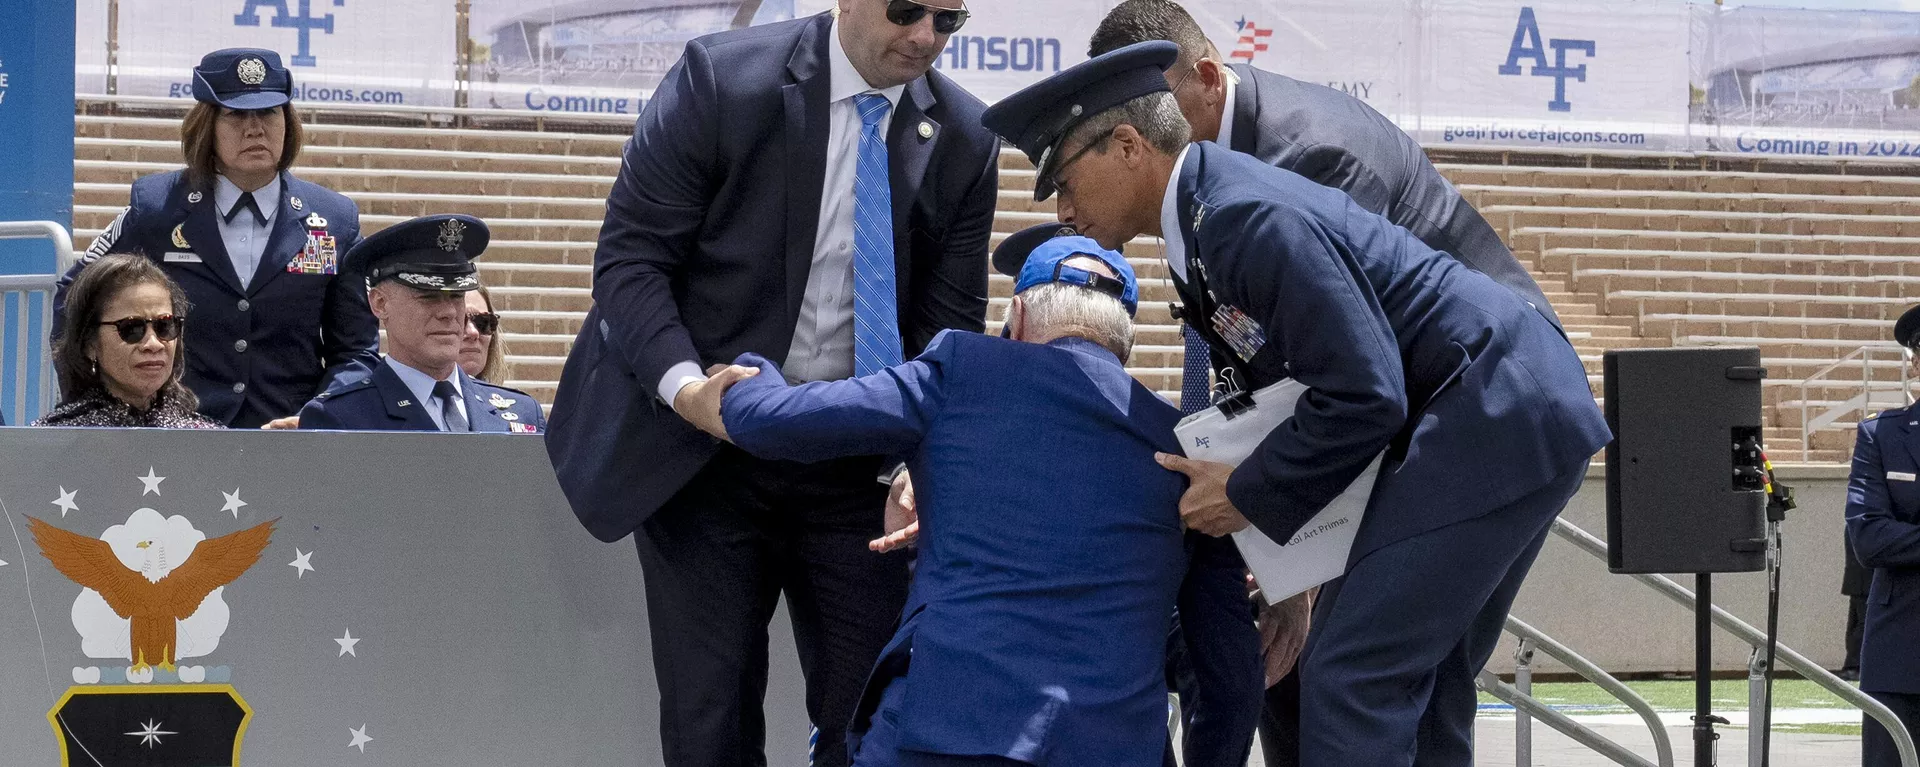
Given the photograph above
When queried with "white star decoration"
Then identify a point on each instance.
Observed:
(3, 563)
(233, 502)
(66, 503)
(302, 562)
(150, 734)
(346, 644)
(360, 738)
(151, 483)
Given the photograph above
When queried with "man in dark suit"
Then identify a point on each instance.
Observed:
(809, 191)
(1883, 527)
(1334, 140)
(1034, 630)
(1405, 352)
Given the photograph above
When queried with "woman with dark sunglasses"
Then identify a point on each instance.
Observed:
(120, 351)
(481, 355)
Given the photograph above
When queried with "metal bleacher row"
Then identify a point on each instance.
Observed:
(1810, 262)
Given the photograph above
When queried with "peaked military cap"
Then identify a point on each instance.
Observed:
(1037, 118)
(242, 78)
(433, 253)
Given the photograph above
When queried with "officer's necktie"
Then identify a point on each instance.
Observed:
(245, 203)
(1194, 391)
(876, 318)
(449, 406)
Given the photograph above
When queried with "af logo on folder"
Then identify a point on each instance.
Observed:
(1318, 552)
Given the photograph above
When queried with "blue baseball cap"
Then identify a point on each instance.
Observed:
(432, 253)
(1037, 118)
(1038, 255)
(242, 78)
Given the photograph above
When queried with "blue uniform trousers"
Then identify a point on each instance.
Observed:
(1387, 675)
(1876, 745)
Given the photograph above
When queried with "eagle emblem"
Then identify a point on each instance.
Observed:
(160, 598)
(252, 71)
(451, 233)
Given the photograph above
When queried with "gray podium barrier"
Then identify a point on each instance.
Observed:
(424, 599)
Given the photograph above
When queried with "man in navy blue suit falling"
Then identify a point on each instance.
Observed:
(807, 190)
(1479, 403)
(1050, 547)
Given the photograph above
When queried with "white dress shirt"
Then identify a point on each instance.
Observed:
(421, 385)
(1173, 245)
(246, 239)
(1225, 138)
(822, 348)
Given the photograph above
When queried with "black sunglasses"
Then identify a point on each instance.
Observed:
(133, 330)
(907, 13)
(485, 322)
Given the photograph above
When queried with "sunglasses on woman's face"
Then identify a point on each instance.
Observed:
(907, 13)
(133, 330)
(484, 322)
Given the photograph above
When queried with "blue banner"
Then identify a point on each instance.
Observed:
(36, 184)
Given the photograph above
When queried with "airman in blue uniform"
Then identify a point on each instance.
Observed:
(419, 272)
(1479, 404)
(276, 316)
(1883, 524)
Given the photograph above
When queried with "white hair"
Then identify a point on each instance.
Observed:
(1055, 310)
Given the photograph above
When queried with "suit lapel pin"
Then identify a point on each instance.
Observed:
(926, 130)
(314, 220)
(296, 203)
(180, 236)
(193, 198)
(509, 416)
(499, 403)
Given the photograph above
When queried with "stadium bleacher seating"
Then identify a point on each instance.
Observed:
(1810, 262)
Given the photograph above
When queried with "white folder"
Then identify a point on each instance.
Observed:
(1318, 552)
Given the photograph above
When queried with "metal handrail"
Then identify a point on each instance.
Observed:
(1575, 730)
(64, 259)
(1864, 401)
(1754, 638)
(47, 230)
(1662, 745)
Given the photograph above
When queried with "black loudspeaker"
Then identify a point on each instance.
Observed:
(1686, 485)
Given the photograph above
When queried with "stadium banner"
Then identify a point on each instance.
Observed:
(340, 51)
(90, 46)
(1780, 81)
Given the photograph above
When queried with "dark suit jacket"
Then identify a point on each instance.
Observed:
(1883, 524)
(1037, 622)
(1337, 140)
(256, 349)
(382, 402)
(1402, 347)
(709, 237)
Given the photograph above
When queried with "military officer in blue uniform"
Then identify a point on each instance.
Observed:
(1050, 548)
(276, 318)
(1480, 405)
(1883, 524)
(419, 272)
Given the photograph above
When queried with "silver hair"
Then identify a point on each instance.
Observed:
(1156, 115)
(1054, 310)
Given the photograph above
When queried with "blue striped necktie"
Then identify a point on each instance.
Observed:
(876, 317)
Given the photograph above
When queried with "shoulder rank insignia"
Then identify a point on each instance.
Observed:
(193, 198)
(180, 235)
(297, 204)
(499, 402)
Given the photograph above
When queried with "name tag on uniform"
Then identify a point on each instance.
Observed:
(176, 257)
(1900, 476)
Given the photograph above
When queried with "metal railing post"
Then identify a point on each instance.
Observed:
(1756, 706)
(35, 372)
(1523, 724)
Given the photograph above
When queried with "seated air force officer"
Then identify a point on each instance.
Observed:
(276, 319)
(1480, 405)
(1050, 549)
(1883, 524)
(420, 272)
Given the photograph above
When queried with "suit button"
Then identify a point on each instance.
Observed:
(244, 305)
(240, 388)
(240, 345)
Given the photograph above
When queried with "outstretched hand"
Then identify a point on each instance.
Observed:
(902, 518)
(699, 402)
(1205, 506)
